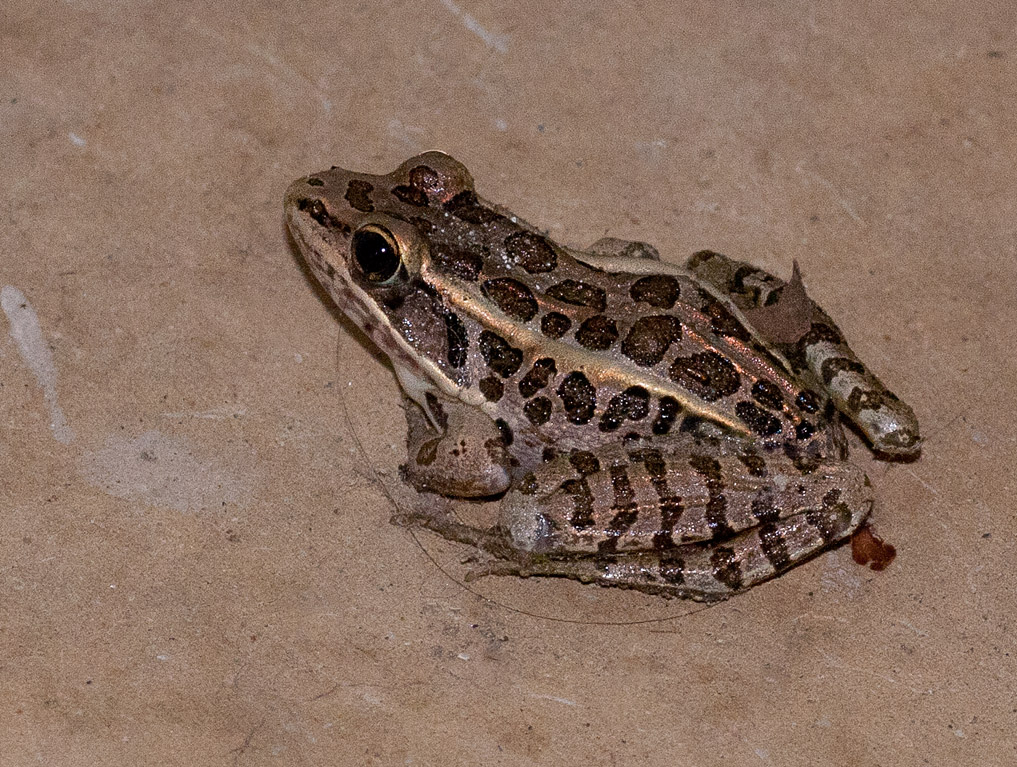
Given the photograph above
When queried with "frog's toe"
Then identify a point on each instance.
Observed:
(892, 430)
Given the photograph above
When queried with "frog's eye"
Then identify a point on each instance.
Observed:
(376, 253)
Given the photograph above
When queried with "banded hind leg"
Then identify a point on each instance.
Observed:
(806, 335)
(697, 523)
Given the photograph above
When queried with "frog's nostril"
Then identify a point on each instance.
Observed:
(315, 209)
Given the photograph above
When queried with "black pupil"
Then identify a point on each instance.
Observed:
(375, 255)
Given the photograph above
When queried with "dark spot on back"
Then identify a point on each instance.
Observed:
(503, 358)
(667, 411)
(579, 398)
(538, 377)
(578, 294)
(705, 465)
(491, 387)
(358, 195)
(528, 485)
(768, 394)
(555, 325)
(466, 207)
(808, 401)
(512, 297)
(532, 252)
(425, 179)
(804, 430)
(458, 342)
(459, 262)
(538, 410)
(312, 181)
(706, 374)
(597, 333)
(725, 323)
(754, 463)
(650, 337)
(632, 404)
(758, 420)
(658, 290)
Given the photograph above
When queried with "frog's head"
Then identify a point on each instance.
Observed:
(370, 241)
(371, 229)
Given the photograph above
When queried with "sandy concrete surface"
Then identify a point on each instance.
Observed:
(196, 563)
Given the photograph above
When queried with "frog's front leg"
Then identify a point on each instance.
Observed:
(697, 524)
(789, 320)
(464, 457)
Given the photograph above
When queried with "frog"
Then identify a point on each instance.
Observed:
(674, 429)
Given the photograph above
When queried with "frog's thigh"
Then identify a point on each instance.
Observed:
(889, 424)
(688, 525)
(466, 459)
(747, 285)
(648, 499)
(611, 248)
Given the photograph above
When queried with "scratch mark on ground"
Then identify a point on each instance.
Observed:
(922, 482)
(35, 352)
(833, 193)
(835, 662)
(491, 40)
(215, 414)
(566, 701)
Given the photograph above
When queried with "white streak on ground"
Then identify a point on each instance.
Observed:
(491, 40)
(834, 193)
(565, 701)
(27, 335)
(213, 414)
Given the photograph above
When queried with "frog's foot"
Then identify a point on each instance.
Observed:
(787, 318)
(467, 458)
(492, 540)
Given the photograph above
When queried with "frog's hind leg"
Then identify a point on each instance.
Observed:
(787, 318)
(706, 572)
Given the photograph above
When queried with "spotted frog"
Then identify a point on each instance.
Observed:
(671, 429)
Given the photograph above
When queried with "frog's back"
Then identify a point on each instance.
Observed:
(544, 339)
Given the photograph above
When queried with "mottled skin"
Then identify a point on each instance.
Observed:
(670, 429)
